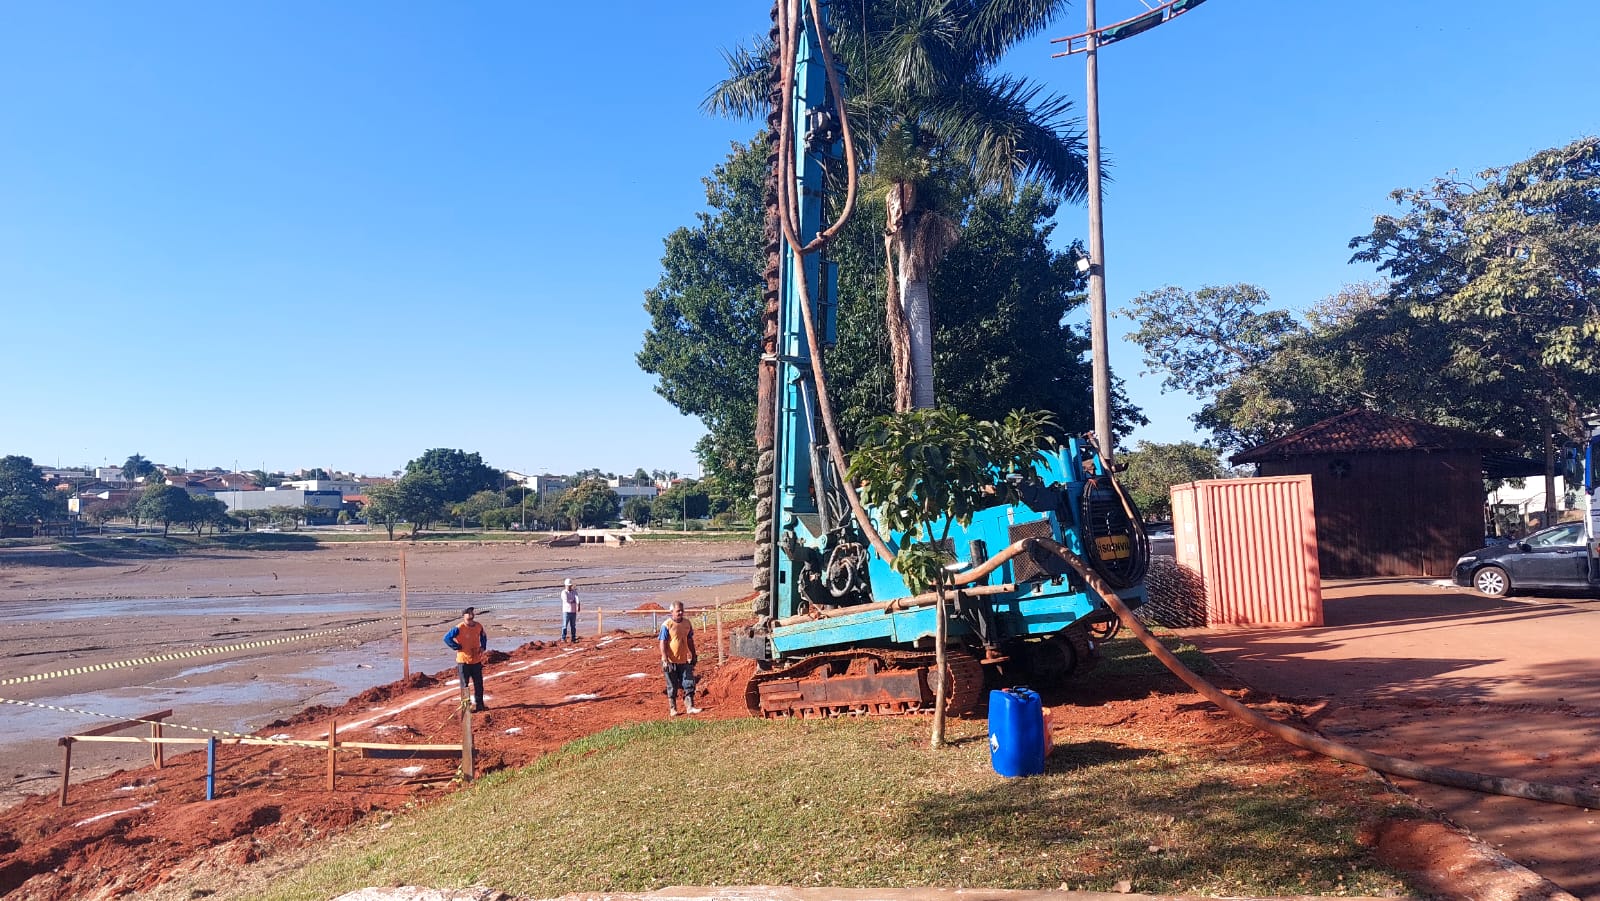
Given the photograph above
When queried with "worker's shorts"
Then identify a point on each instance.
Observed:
(680, 677)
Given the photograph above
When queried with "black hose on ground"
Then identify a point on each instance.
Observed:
(1398, 766)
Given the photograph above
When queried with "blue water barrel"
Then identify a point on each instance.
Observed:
(1016, 732)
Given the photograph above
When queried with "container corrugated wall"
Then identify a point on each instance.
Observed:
(1253, 543)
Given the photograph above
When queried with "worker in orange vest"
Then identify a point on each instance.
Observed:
(470, 641)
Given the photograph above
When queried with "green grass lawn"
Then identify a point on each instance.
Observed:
(861, 803)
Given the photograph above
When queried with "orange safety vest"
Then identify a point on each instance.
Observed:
(470, 637)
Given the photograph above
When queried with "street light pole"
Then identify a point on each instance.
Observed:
(1089, 43)
(1097, 248)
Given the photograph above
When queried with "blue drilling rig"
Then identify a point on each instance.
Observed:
(838, 630)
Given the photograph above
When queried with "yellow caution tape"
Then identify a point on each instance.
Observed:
(183, 655)
(164, 723)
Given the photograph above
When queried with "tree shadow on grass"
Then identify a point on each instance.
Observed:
(1133, 814)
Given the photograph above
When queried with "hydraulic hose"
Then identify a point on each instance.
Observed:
(1383, 763)
(789, 27)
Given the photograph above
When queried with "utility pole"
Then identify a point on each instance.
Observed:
(1089, 43)
(1097, 248)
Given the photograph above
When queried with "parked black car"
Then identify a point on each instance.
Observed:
(1549, 558)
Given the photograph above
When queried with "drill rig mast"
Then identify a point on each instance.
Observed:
(838, 630)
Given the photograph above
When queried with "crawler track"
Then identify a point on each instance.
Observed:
(864, 681)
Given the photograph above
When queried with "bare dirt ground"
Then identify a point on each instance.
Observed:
(141, 830)
(319, 625)
(1442, 675)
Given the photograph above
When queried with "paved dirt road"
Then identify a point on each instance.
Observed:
(1445, 676)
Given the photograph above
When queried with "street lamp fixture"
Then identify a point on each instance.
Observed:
(1092, 38)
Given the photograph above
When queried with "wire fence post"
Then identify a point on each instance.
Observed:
(333, 744)
(405, 633)
(211, 768)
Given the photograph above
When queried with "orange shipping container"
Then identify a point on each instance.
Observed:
(1253, 544)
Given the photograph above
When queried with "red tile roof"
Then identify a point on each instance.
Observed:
(1364, 430)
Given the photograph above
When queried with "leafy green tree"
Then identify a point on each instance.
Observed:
(135, 515)
(460, 474)
(704, 340)
(205, 510)
(590, 503)
(383, 506)
(547, 511)
(415, 498)
(924, 470)
(1003, 337)
(25, 498)
(1002, 331)
(637, 511)
(687, 499)
(1152, 470)
(1201, 341)
(137, 467)
(1510, 263)
(102, 512)
(502, 518)
(166, 504)
(930, 113)
(473, 508)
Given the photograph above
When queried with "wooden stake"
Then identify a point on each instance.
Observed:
(466, 736)
(158, 751)
(405, 633)
(720, 658)
(333, 744)
(66, 767)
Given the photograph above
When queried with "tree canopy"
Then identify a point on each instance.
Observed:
(24, 496)
(137, 467)
(1002, 329)
(1488, 320)
(166, 504)
(460, 474)
(590, 503)
(704, 340)
(934, 122)
(1152, 470)
(416, 497)
(1508, 265)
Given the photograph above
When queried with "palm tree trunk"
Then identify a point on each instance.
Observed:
(914, 240)
(910, 327)
(919, 328)
(895, 325)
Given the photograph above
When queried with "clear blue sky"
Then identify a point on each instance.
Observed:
(335, 235)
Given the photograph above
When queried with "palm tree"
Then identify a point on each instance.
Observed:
(931, 116)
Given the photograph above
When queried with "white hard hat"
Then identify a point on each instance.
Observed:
(569, 583)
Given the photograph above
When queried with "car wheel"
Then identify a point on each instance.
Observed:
(1492, 581)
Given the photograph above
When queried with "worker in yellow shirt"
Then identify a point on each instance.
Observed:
(678, 657)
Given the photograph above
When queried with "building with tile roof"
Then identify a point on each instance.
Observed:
(1393, 496)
